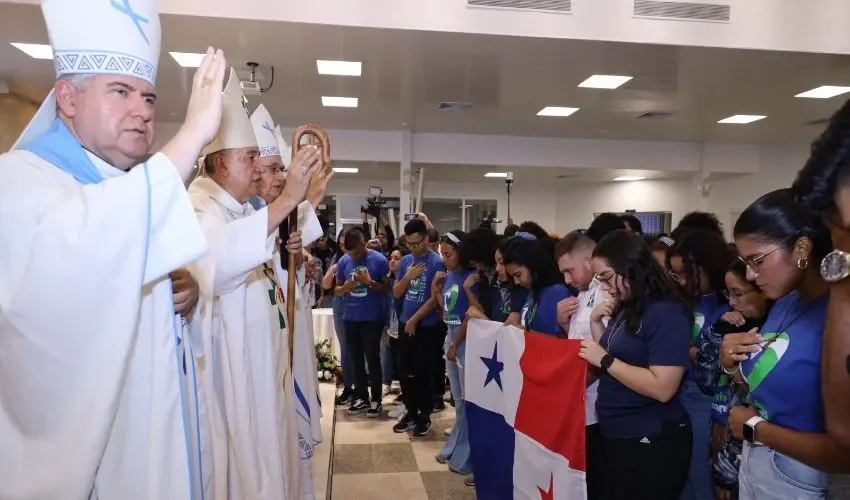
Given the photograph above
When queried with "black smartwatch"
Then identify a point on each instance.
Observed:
(606, 362)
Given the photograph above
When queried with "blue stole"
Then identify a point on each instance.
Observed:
(257, 202)
(61, 148)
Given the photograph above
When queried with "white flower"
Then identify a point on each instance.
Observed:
(327, 375)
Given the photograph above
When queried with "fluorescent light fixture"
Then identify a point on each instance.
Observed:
(630, 178)
(346, 170)
(499, 175)
(556, 111)
(742, 119)
(187, 59)
(604, 81)
(824, 92)
(34, 50)
(339, 102)
(339, 68)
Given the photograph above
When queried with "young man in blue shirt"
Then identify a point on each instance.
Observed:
(360, 279)
(419, 329)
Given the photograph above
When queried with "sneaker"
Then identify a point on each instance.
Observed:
(398, 399)
(345, 397)
(441, 460)
(358, 407)
(469, 481)
(452, 402)
(448, 432)
(398, 413)
(422, 427)
(404, 424)
(439, 406)
(374, 410)
(385, 390)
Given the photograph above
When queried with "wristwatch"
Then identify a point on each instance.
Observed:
(750, 430)
(607, 361)
(835, 266)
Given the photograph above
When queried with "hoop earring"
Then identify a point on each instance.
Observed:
(802, 263)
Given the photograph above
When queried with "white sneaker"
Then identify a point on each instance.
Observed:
(448, 431)
(397, 413)
(385, 390)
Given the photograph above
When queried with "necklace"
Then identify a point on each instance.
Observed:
(619, 322)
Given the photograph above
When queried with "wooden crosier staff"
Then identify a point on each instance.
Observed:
(318, 134)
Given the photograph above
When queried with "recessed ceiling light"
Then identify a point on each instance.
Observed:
(604, 81)
(630, 178)
(187, 59)
(339, 68)
(339, 102)
(34, 50)
(556, 111)
(824, 92)
(742, 119)
(346, 170)
(501, 175)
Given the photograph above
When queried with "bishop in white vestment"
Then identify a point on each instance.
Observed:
(93, 404)
(242, 304)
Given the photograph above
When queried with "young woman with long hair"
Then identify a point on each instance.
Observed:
(338, 305)
(641, 355)
(787, 451)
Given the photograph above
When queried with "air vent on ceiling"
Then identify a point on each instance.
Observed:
(450, 105)
(822, 121)
(558, 6)
(683, 11)
(655, 115)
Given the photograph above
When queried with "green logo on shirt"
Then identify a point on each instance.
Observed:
(768, 359)
(450, 297)
(360, 290)
(699, 321)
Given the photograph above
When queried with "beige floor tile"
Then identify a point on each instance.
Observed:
(425, 453)
(446, 486)
(374, 458)
(367, 432)
(392, 486)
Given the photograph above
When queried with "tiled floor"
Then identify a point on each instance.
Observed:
(371, 462)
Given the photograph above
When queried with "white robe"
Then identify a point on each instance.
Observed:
(90, 394)
(248, 347)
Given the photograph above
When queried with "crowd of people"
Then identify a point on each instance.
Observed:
(705, 358)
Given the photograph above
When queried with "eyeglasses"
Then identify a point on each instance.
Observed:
(412, 243)
(605, 279)
(274, 170)
(736, 295)
(754, 263)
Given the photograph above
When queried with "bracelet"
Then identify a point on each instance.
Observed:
(736, 370)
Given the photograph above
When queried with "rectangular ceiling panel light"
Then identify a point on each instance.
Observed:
(556, 111)
(34, 50)
(346, 170)
(824, 92)
(187, 59)
(604, 82)
(498, 175)
(339, 68)
(629, 178)
(339, 102)
(742, 119)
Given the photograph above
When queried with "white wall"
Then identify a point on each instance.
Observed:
(778, 168)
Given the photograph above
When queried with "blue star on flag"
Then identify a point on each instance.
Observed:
(494, 367)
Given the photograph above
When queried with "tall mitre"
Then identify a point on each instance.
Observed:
(285, 149)
(125, 43)
(235, 130)
(264, 131)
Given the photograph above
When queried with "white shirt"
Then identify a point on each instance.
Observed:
(580, 330)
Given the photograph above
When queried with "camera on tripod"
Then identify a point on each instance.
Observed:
(374, 202)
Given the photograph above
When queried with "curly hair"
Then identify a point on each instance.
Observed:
(531, 255)
(697, 220)
(630, 257)
(827, 164)
(480, 246)
(703, 249)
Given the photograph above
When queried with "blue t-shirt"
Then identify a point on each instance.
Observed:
(541, 315)
(364, 303)
(661, 340)
(502, 300)
(455, 301)
(419, 289)
(785, 379)
(518, 297)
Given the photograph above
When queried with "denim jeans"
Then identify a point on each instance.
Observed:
(387, 360)
(456, 449)
(768, 475)
(698, 406)
(345, 356)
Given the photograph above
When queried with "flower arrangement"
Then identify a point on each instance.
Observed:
(326, 362)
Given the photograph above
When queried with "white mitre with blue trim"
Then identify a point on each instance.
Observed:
(285, 150)
(118, 37)
(235, 131)
(264, 130)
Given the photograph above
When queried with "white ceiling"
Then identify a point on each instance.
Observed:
(406, 74)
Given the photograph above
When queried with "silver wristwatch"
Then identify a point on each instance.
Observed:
(835, 266)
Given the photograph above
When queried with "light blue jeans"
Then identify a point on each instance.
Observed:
(345, 356)
(768, 475)
(698, 406)
(456, 449)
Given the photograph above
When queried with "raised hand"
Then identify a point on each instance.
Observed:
(319, 186)
(304, 166)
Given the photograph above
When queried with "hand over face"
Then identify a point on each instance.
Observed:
(604, 310)
(185, 290)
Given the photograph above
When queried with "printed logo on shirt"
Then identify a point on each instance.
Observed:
(416, 290)
(699, 321)
(767, 359)
(450, 296)
(360, 290)
(505, 293)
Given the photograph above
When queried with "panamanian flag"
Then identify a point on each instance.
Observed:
(525, 409)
